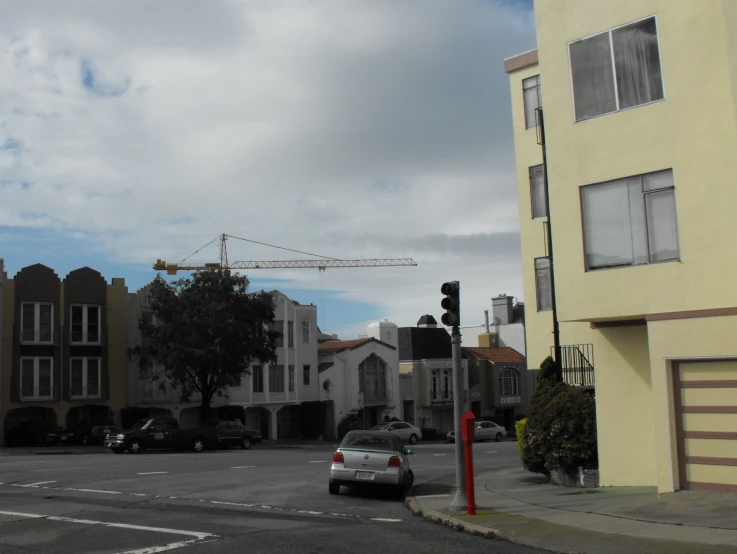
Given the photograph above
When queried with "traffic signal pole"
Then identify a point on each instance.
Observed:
(460, 499)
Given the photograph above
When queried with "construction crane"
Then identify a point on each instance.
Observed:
(322, 264)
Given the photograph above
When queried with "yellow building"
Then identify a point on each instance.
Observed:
(639, 100)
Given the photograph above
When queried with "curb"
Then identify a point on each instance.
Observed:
(457, 524)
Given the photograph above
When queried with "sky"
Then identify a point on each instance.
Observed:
(136, 131)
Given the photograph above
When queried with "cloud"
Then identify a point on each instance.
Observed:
(352, 129)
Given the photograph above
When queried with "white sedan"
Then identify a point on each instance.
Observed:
(405, 431)
(485, 431)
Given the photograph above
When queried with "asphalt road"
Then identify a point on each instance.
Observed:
(267, 499)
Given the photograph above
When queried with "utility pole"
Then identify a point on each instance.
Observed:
(452, 318)
(553, 303)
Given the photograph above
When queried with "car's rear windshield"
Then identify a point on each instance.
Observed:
(369, 442)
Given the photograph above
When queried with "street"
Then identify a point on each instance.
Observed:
(267, 499)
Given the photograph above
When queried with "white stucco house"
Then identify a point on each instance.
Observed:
(505, 330)
(359, 380)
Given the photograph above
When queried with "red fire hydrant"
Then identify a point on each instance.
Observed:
(468, 427)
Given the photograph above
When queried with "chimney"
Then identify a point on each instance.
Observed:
(486, 317)
(503, 310)
(427, 322)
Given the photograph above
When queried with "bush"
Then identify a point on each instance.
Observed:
(519, 429)
(560, 432)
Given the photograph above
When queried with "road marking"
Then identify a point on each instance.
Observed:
(240, 467)
(232, 504)
(490, 452)
(137, 494)
(37, 484)
(164, 548)
(432, 496)
(439, 454)
(386, 520)
(153, 473)
(94, 490)
(319, 461)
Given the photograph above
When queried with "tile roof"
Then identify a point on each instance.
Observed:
(503, 355)
(333, 346)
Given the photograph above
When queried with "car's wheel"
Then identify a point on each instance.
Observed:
(134, 447)
(246, 443)
(333, 488)
(198, 445)
(409, 480)
(118, 450)
(413, 439)
(499, 437)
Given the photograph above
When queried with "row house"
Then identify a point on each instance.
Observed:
(360, 380)
(63, 347)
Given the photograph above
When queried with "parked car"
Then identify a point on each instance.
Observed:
(33, 433)
(371, 458)
(90, 431)
(164, 433)
(485, 431)
(407, 432)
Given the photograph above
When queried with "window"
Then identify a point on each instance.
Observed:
(36, 378)
(531, 92)
(85, 377)
(291, 378)
(537, 192)
(434, 386)
(542, 284)
(86, 324)
(290, 334)
(508, 382)
(446, 384)
(616, 70)
(372, 378)
(276, 378)
(258, 378)
(278, 326)
(37, 322)
(306, 375)
(630, 221)
(151, 389)
(305, 331)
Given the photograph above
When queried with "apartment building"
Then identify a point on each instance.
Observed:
(63, 347)
(638, 100)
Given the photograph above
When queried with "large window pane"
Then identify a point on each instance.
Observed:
(637, 61)
(93, 377)
(77, 323)
(77, 377)
(45, 322)
(276, 378)
(662, 231)
(537, 192)
(305, 375)
(44, 377)
(29, 322)
(27, 378)
(606, 222)
(543, 285)
(531, 92)
(593, 77)
(93, 323)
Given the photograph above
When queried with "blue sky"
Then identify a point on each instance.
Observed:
(351, 129)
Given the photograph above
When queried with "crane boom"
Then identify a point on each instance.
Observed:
(172, 269)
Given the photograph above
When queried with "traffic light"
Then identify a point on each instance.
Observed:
(451, 304)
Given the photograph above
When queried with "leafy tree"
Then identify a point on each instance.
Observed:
(205, 334)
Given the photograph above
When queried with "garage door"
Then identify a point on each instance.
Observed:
(706, 424)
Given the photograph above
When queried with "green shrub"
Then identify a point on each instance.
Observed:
(560, 432)
(519, 429)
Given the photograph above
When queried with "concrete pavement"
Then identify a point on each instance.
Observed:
(525, 509)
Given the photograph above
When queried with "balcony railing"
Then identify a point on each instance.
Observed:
(376, 397)
(441, 396)
(38, 337)
(577, 361)
(88, 336)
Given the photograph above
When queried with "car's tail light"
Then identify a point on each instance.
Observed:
(394, 461)
(338, 458)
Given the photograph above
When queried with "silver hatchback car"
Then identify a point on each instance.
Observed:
(374, 458)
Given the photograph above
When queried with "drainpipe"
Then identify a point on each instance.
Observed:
(554, 305)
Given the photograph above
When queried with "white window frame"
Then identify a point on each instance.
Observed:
(535, 123)
(537, 284)
(611, 50)
(36, 323)
(85, 324)
(509, 374)
(36, 395)
(85, 373)
(532, 195)
(305, 331)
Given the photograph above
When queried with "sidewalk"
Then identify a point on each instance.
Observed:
(523, 508)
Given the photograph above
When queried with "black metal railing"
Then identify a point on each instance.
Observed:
(577, 362)
(87, 336)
